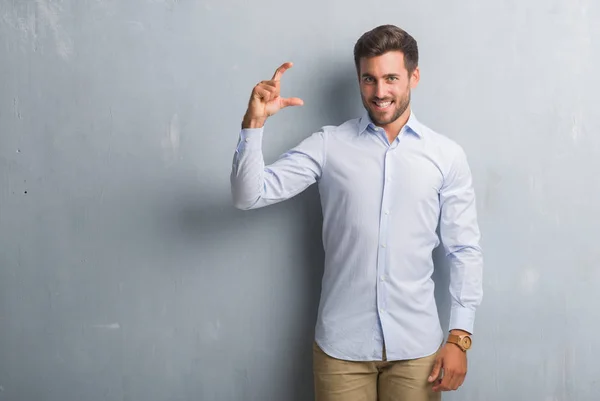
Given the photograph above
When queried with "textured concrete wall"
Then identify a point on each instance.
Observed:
(125, 272)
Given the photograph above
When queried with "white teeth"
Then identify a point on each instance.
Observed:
(383, 105)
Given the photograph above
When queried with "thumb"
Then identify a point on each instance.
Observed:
(435, 372)
(291, 101)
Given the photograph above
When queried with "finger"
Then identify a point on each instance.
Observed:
(267, 87)
(454, 382)
(445, 385)
(461, 380)
(262, 93)
(292, 101)
(272, 84)
(440, 387)
(283, 68)
(435, 372)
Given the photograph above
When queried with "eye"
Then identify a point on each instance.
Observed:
(368, 79)
(392, 78)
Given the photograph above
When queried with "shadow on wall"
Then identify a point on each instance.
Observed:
(289, 355)
(340, 100)
(215, 218)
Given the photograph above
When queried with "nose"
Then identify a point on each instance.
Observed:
(380, 90)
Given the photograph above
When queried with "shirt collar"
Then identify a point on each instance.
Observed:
(413, 125)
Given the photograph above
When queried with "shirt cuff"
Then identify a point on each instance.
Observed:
(462, 318)
(251, 138)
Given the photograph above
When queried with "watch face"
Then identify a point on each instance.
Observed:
(466, 342)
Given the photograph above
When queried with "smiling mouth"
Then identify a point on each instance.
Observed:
(379, 105)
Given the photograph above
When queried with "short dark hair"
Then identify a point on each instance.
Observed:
(383, 39)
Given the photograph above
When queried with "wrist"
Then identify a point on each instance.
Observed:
(460, 338)
(455, 345)
(253, 122)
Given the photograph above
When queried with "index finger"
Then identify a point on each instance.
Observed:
(283, 68)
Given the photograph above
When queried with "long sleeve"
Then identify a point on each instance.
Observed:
(255, 185)
(460, 235)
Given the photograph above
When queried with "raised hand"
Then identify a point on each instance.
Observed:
(265, 100)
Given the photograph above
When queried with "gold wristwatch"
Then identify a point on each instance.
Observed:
(463, 342)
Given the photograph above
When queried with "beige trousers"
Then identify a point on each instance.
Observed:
(338, 380)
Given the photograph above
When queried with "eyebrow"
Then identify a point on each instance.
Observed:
(365, 75)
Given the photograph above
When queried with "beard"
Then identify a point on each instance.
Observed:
(379, 118)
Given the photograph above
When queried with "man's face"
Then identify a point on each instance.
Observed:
(385, 86)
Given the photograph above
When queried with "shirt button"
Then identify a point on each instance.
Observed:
(382, 278)
(383, 245)
(387, 212)
(380, 310)
(246, 140)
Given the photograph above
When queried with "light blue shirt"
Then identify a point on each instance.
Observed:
(381, 203)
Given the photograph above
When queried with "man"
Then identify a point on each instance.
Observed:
(385, 182)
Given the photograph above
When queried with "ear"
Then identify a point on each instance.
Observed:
(415, 77)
